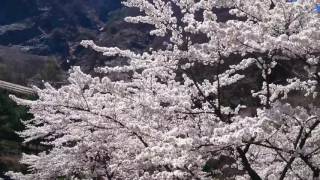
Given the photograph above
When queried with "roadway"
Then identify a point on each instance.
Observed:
(15, 88)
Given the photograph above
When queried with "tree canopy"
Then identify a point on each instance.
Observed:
(175, 118)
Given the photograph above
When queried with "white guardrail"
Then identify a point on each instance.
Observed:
(15, 88)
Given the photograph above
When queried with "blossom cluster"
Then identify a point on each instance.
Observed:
(171, 120)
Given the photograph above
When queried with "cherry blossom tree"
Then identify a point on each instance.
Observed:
(174, 119)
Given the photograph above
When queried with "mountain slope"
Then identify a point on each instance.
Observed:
(51, 27)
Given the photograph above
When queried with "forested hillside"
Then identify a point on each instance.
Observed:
(51, 27)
